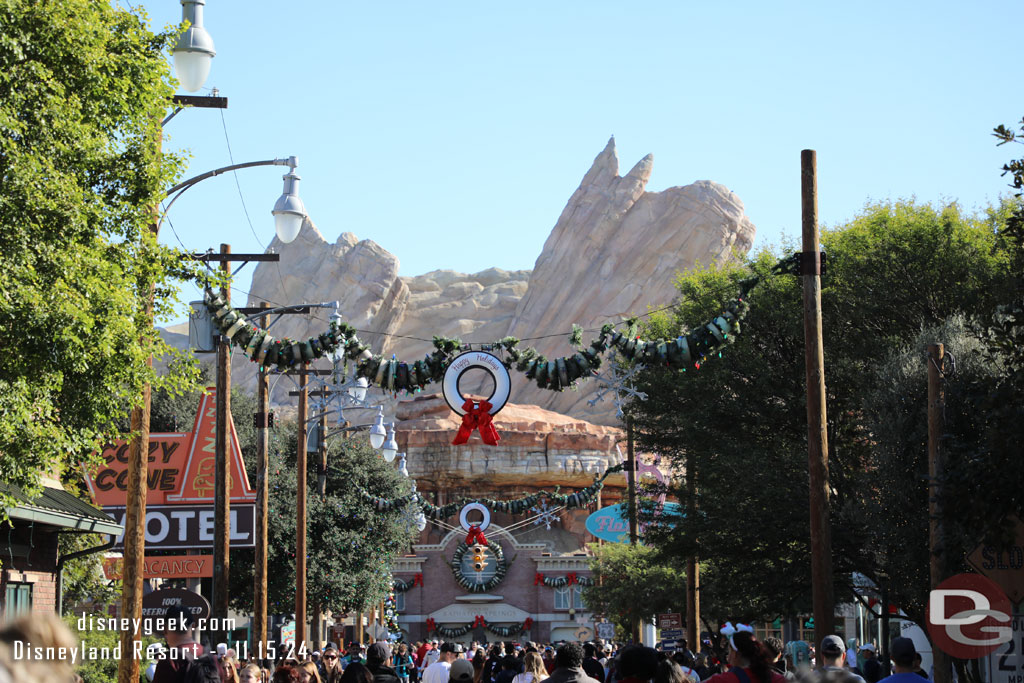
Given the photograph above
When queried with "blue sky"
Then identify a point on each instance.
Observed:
(453, 133)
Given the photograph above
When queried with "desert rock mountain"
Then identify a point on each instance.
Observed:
(614, 251)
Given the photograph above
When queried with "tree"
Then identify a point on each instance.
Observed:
(83, 86)
(741, 418)
(633, 584)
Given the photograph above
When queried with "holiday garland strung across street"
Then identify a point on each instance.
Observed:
(556, 374)
(562, 581)
(479, 621)
(518, 506)
(470, 584)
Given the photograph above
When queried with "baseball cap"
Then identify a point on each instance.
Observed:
(902, 649)
(451, 647)
(867, 646)
(378, 652)
(832, 645)
(461, 670)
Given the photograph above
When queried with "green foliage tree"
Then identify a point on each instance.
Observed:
(741, 420)
(633, 584)
(83, 87)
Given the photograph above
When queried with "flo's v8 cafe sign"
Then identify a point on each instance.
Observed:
(180, 497)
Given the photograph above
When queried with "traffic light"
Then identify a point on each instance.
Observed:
(479, 558)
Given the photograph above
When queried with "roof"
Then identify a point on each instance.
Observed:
(58, 507)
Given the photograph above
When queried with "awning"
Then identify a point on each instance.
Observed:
(57, 507)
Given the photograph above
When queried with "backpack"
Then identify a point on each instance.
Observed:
(204, 669)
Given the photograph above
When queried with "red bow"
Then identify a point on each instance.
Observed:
(527, 623)
(477, 417)
(538, 579)
(571, 578)
(475, 535)
(417, 580)
(479, 621)
(431, 624)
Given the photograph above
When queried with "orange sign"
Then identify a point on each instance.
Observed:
(167, 567)
(180, 465)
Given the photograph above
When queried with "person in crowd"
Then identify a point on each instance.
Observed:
(312, 674)
(831, 657)
(479, 666)
(331, 665)
(700, 665)
(438, 671)
(461, 671)
(549, 659)
(183, 650)
(355, 654)
(902, 653)
(509, 669)
(250, 673)
(430, 657)
(356, 672)
(851, 655)
(872, 669)
(286, 673)
(402, 663)
(669, 671)
(748, 659)
(590, 663)
(378, 657)
(569, 665)
(775, 648)
(533, 669)
(421, 650)
(918, 669)
(637, 664)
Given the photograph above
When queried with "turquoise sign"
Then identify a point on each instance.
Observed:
(612, 523)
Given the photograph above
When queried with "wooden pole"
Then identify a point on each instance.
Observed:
(300, 519)
(817, 422)
(692, 567)
(631, 504)
(936, 424)
(259, 618)
(222, 470)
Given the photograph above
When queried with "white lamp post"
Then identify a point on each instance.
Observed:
(377, 431)
(390, 448)
(194, 51)
(289, 211)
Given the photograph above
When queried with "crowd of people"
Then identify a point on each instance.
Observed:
(738, 657)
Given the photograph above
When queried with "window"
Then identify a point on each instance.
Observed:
(399, 602)
(562, 597)
(18, 599)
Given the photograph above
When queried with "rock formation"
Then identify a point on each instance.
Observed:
(613, 252)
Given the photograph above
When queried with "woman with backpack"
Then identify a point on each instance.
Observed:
(403, 664)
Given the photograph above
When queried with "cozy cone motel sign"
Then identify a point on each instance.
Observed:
(179, 503)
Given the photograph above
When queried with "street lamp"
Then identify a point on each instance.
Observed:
(289, 211)
(377, 431)
(193, 53)
(390, 448)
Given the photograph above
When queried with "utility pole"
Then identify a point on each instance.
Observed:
(259, 618)
(692, 567)
(631, 493)
(817, 419)
(222, 468)
(936, 425)
(300, 519)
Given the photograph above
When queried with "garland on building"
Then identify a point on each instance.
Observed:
(518, 506)
(555, 374)
(479, 621)
(562, 581)
(468, 583)
(402, 586)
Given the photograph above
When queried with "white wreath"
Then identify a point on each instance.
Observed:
(486, 522)
(487, 362)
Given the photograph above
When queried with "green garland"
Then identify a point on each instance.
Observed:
(563, 581)
(473, 587)
(503, 631)
(518, 506)
(555, 374)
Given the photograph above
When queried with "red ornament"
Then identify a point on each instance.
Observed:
(417, 580)
(538, 579)
(527, 623)
(571, 578)
(475, 535)
(431, 624)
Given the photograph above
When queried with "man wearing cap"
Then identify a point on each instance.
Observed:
(377, 657)
(174, 663)
(355, 654)
(902, 653)
(872, 668)
(438, 671)
(832, 654)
